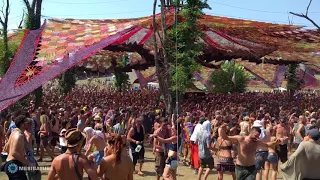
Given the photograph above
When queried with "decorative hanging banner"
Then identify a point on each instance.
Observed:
(24, 76)
(279, 75)
(307, 77)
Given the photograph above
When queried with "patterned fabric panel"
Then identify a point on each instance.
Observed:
(266, 71)
(34, 77)
(60, 38)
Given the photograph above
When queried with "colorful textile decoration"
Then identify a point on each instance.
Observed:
(33, 75)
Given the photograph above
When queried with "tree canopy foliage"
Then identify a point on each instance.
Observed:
(67, 81)
(122, 78)
(293, 82)
(183, 46)
(231, 78)
(4, 64)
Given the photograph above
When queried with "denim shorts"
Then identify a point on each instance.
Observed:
(261, 158)
(172, 163)
(273, 158)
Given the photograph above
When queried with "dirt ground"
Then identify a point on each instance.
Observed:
(184, 172)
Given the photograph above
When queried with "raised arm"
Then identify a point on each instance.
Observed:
(230, 138)
(168, 140)
(89, 147)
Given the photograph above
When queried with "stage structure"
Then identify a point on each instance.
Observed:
(62, 43)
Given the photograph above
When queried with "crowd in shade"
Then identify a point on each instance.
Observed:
(105, 133)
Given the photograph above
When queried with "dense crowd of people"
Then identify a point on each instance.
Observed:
(104, 132)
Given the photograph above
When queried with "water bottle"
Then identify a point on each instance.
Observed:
(138, 148)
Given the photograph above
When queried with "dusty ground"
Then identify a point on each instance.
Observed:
(184, 172)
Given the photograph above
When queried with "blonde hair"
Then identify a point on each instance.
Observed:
(303, 119)
(186, 119)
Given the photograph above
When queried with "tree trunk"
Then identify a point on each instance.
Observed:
(161, 61)
(5, 63)
(38, 14)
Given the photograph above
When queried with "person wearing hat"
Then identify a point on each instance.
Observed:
(304, 163)
(71, 164)
(97, 123)
(248, 145)
(262, 151)
(204, 146)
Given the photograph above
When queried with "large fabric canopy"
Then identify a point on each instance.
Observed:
(63, 43)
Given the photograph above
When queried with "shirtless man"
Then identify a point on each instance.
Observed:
(248, 145)
(71, 164)
(161, 148)
(98, 140)
(282, 132)
(16, 151)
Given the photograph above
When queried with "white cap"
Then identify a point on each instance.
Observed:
(257, 123)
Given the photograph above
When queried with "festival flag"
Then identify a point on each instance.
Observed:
(279, 75)
(307, 76)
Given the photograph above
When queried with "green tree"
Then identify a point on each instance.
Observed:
(231, 78)
(67, 81)
(122, 78)
(7, 55)
(176, 58)
(293, 83)
(183, 46)
(5, 59)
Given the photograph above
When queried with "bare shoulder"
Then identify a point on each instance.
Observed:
(157, 131)
(109, 159)
(239, 138)
(17, 135)
(58, 159)
(83, 158)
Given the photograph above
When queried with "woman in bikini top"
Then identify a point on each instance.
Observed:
(225, 159)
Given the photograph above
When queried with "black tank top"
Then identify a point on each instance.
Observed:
(138, 136)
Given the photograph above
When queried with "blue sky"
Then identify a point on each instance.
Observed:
(275, 11)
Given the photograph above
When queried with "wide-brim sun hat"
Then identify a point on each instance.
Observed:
(74, 137)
